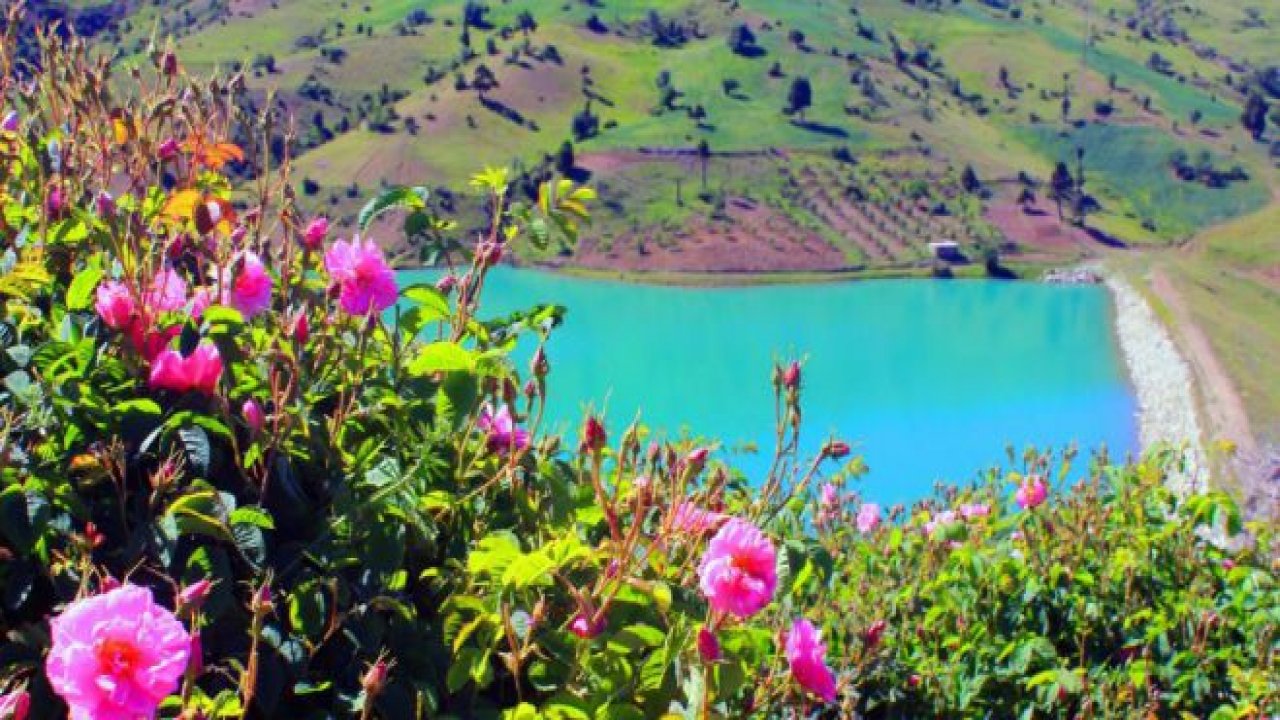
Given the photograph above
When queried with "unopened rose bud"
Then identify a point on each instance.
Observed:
(168, 149)
(585, 628)
(93, 536)
(317, 230)
(874, 633)
(697, 458)
(837, 449)
(107, 584)
(15, 705)
(301, 330)
(253, 416)
(169, 64)
(490, 252)
(446, 284)
(261, 603)
(791, 376)
(375, 678)
(708, 646)
(594, 436)
(539, 363)
(105, 204)
(55, 202)
(193, 596)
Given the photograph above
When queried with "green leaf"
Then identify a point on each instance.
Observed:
(442, 356)
(251, 515)
(411, 198)
(80, 292)
(196, 443)
(433, 304)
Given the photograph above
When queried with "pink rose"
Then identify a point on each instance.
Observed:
(738, 574)
(807, 657)
(868, 518)
(251, 286)
(117, 655)
(115, 305)
(501, 432)
(1032, 493)
(197, 372)
(366, 284)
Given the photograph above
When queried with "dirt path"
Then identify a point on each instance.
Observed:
(1224, 410)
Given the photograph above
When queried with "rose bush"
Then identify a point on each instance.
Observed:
(245, 474)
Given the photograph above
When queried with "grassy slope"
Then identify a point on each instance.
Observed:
(1226, 270)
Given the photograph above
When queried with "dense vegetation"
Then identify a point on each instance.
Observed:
(246, 475)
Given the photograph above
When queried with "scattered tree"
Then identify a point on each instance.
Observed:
(800, 97)
(742, 41)
(483, 81)
(969, 180)
(1254, 118)
(1061, 186)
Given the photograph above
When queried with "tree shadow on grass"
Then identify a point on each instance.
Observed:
(821, 128)
(1105, 238)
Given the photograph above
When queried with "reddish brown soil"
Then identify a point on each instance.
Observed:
(1038, 231)
(754, 239)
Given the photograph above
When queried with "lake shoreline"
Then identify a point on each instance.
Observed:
(1162, 381)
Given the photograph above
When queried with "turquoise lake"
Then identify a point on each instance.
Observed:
(929, 380)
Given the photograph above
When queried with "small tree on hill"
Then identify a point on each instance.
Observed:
(1254, 118)
(969, 179)
(741, 40)
(1061, 186)
(525, 22)
(704, 156)
(483, 81)
(800, 97)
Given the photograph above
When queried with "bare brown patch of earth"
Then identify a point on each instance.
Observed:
(754, 239)
(1037, 228)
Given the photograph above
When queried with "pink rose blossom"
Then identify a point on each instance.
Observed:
(117, 655)
(1032, 493)
(940, 522)
(738, 574)
(168, 292)
(689, 518)
(366, 284)
(197, 372)
(251, 286)
(970, 511)
(10, 122)
(830, 497)
(15, 705)
(503, 435)
(807, 656)
(868, 518)
(115, 305)
(708, 645)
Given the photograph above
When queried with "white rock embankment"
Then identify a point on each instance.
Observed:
(1162, 381)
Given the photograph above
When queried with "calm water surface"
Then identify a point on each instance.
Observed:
(931, 380)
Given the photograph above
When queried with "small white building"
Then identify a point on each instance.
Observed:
(946, 250)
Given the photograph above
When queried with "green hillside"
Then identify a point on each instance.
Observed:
(1147, 97)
